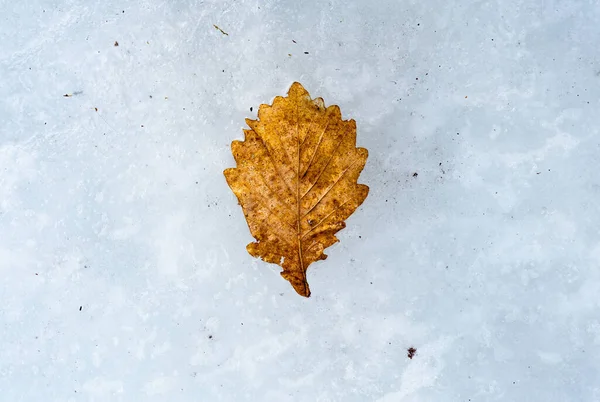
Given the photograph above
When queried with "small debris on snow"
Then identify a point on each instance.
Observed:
(220, 30)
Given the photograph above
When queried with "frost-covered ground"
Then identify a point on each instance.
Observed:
(124, 274)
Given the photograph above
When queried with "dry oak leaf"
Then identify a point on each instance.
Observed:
(296, 180)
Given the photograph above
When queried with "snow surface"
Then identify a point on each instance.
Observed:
(122, 250)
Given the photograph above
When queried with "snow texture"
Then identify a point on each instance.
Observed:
(122, 250)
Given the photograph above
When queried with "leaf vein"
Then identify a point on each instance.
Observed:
(264, 221)
(316, 149)
(329, 189)
(325, 167)
(275, 166)
(324, 219)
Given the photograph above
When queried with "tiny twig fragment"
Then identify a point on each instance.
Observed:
(220, 30)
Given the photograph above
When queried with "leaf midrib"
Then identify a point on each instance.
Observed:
(298, 199)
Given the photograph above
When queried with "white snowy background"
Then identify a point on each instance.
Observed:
(123, 269)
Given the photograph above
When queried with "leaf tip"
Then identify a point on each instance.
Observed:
(363, 152)
(335, 111)
(296, 86)
(230, 176)
(297, 281)
(251, 123)
(297, 90)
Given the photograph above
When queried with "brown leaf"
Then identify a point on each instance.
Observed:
(296, 180)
